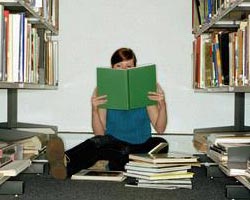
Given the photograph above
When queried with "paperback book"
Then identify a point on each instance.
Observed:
(98, 175)
(126, 88)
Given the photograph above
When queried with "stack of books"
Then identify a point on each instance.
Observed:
(231, 152)
(8, 153)
(161, 170)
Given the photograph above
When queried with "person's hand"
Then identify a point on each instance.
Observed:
(158, 95)
(97, 100)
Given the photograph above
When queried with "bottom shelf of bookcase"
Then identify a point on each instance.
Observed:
(12, 187)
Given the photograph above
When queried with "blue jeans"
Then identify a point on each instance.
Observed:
(107, 148)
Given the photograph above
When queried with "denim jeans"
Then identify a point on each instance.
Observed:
(107, 148)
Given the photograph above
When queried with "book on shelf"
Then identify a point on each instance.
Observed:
(38, 130)
(14, 167)
(5, 160)
(89, 174)
(127, 88)
(228, 138)
(234, 168)
(171, 157)
(31, 145)
(245, 180)
(7, 148)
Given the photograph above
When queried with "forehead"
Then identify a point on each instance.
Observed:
(126, 62)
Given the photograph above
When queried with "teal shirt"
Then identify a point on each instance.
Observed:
(132, 126)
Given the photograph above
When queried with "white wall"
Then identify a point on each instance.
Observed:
(159, 31)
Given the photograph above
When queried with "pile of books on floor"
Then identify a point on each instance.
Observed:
(11, 162)
(232, 153)
(161, 170)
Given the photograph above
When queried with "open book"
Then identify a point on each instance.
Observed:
(102, 175)
(126, 88)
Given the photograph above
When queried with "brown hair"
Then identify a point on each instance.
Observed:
(123, 54)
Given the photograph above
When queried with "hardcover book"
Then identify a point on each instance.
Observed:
(126, 88)
(171, 157)
(98, 175)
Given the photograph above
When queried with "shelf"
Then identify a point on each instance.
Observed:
(243, 5)
(224, 89)
(20, 5)
(9, 85)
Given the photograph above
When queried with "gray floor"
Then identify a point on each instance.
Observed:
(44, 187)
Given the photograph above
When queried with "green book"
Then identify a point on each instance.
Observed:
(126, 88)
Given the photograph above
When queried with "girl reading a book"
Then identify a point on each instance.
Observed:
(118, 133)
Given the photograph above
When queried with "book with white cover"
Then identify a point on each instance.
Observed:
(159, 186)
(15, 167)
(158, 170)
(170, 175)
(101, 175)
(234, 168)
(171, 157)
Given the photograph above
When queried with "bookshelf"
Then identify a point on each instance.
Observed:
(221, 54)
(32, 64)
(221, 58)
(28, 60)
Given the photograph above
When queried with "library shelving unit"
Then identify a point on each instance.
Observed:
(28, 60)
(221, 58)
(225, 18)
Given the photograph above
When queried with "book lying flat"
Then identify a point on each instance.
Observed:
(158, 186)
(126, 88)
(234, 168)
(15, 167)
(157, 170)
(172, 175)
(137, 163)
(98, 175)
(171, 157)
(168, 181)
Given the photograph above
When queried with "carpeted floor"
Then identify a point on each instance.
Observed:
(44, 187)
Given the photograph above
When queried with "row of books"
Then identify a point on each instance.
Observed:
(47, 9)
(221, 58)
(203, 11)
(25, 56)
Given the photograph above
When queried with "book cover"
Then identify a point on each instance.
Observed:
(15, 167)
(98, 175)
(171, 157)
(126, 88)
